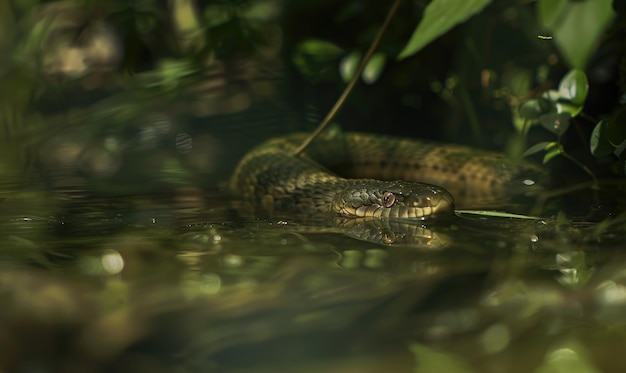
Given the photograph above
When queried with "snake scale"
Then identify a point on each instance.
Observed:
(366, 175)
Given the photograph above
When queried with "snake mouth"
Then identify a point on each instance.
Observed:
(396, 200)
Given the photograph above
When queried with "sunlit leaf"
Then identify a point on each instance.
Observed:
(576, 26)
(550, 95)
(556, 123)
(439, 17)
(572, 93)
(551, 154)
(599, 142)
(574, 87)
(566, 107)
(538, 147)
(429, 360)
(374, 68)
(348, 65)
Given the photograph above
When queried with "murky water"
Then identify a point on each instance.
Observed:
(120, 252)
(186, 282)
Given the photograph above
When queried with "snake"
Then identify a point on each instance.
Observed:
(355, 175)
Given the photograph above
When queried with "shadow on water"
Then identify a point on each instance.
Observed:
(167, 282)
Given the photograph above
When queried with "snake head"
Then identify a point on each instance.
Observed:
(394, 199)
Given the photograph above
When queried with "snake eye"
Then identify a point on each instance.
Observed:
(388, 199)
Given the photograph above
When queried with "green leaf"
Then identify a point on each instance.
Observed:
(555, 123)
(576, 26)
(573, 90)
(539, 147)
(320, 48)
(550, 95)
(348, 65)
(313, 56)
(372, 71)
(374, 68)
(566, 107)
(574, 87)
(439, 17)
(548, 11)
(599, 143)
(533, 109)
(551, 154)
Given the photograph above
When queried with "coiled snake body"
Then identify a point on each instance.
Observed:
(310, 183)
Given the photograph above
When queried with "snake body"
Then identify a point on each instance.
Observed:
(348, 174)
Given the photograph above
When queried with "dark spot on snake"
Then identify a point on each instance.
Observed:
(436, 167)
(383, 163)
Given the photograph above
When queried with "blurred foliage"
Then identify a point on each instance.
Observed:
(576, 28)
(95, 71)
(84, 74)
(439, 17)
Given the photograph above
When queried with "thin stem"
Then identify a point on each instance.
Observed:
(344, 95)
(583, 167)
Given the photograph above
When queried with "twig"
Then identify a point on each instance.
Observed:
(331, 114)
